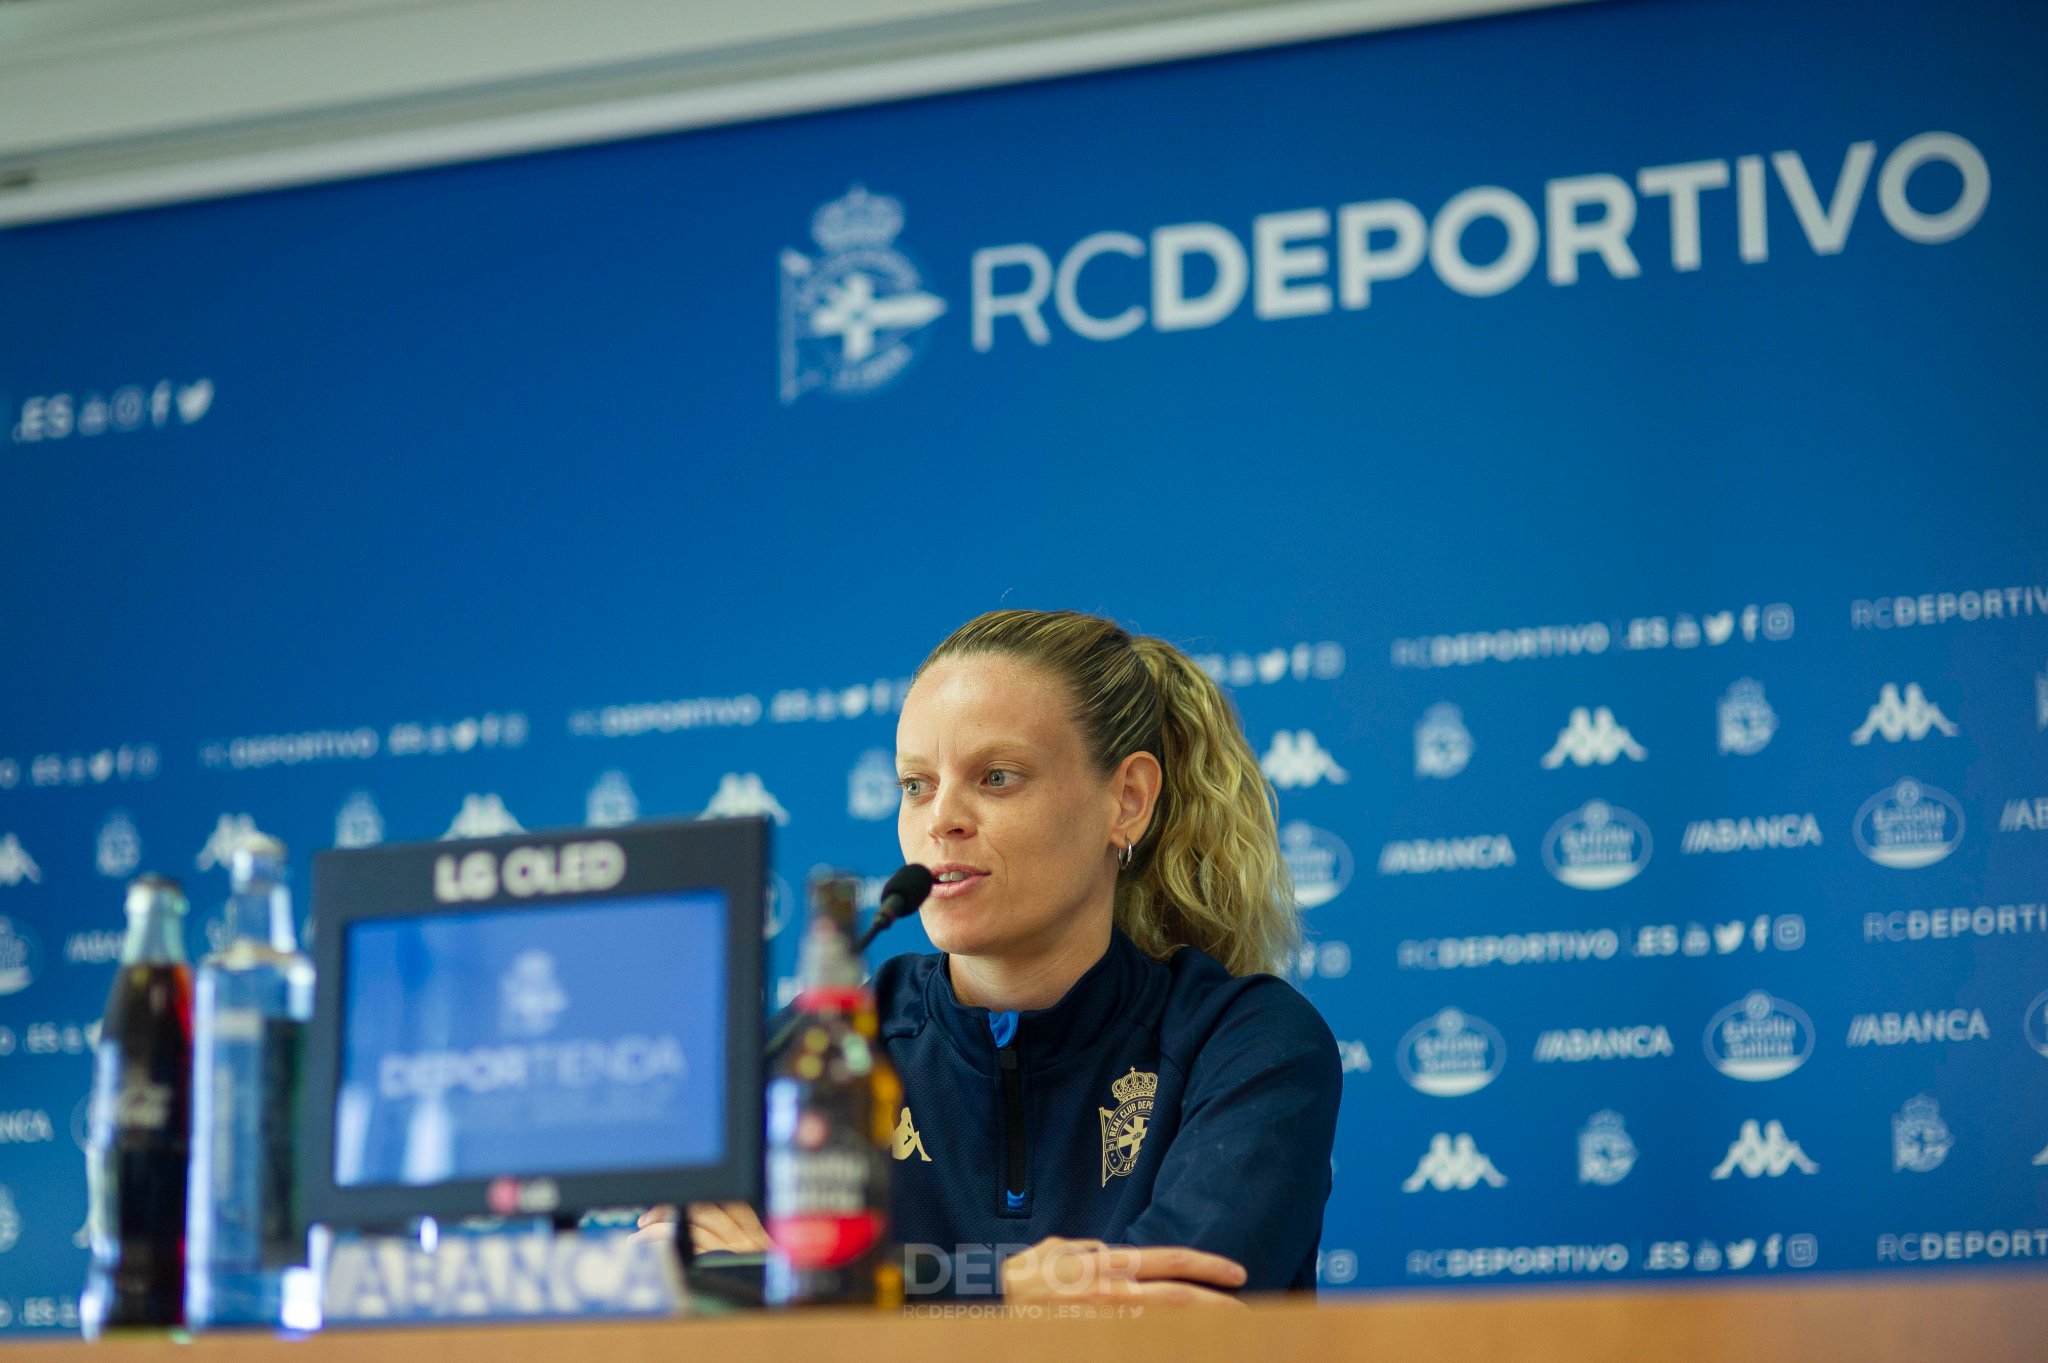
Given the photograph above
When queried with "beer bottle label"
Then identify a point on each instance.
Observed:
(820, 1210)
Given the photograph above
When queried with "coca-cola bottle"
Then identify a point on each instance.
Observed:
(138, 1143)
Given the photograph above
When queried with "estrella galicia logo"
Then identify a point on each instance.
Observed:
(2036, 1024)
(1909, 825)
(1758, 1038)
(1451, 1054)
(1318, 861)
(1597, 847)
(853, 318)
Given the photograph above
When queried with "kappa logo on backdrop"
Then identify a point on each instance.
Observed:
(1747, 721)
(482, 816)
(358, 823)
(1295, 761)
(871, 790)
(741, 795)
(1597, 847)
(1453, 1164)
(16, 865)
(1920, 1138)
(1592, 737)
(1911, 718)
(611, 802)
(1318, 862)
(1443, 745)
(1759, 1038)
(1764, 1153)
(1606, 1154)
(118, 850)
(229, 832)
(17, 957)
(1451, 1054)
(853, 318)
(530, 998)
(1909, 825)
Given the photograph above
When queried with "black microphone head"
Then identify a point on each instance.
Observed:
(909, 887)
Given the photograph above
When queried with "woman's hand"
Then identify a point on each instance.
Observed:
(730, 1227)
(1062, 1271)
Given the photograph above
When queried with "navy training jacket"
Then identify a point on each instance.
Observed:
(1157, 1103)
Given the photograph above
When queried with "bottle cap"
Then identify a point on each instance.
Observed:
(257, 853)
(149, 891)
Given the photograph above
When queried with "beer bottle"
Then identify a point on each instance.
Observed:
(252, 1001)
(832, 1102)
(139, 1130)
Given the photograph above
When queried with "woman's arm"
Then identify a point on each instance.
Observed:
(1248, 1171)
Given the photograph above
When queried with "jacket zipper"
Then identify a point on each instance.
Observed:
(1014, 1197)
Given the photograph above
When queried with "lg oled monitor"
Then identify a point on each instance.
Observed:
(544, 1023)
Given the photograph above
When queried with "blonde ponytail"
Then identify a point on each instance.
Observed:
(1208, 873)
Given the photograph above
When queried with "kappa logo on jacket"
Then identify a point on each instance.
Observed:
(908, 1140)
(1123, 1131)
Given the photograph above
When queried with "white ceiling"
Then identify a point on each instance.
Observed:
(106, 104)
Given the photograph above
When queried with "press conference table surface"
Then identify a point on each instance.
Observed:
(1982, 1320)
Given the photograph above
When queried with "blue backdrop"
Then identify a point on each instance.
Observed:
(1599, 449)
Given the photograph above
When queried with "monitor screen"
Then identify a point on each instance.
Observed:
(582, 1037)
(543, 1023)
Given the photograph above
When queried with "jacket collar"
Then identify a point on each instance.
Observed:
(1111, 989)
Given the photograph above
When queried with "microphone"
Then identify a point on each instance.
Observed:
(902, 895)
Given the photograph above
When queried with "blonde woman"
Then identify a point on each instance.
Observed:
(1106, 1099)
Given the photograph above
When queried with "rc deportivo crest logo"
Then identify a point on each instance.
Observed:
(1123, 1130)
(1920, 1138)
(17, 958)
(1747, 720)
(1443, 745)
(853, 318)
(530, 998)
(118, 850)
(1606, 1153)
